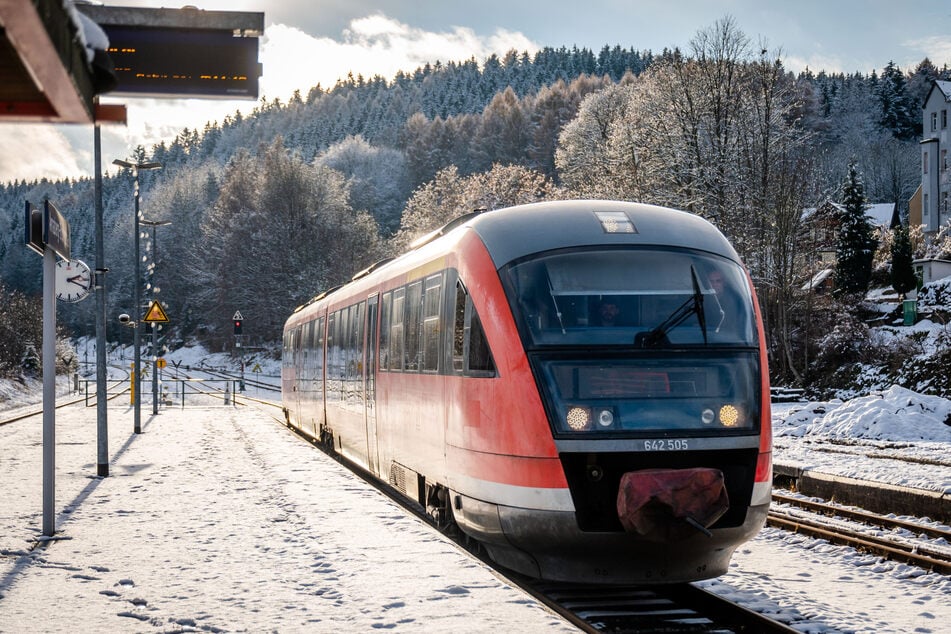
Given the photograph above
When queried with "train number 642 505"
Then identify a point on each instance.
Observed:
(669, 444)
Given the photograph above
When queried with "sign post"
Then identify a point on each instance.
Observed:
(155, 314)
(47, 233)
(238, 321)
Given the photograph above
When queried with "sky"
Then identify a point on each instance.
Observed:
(380, 37)
(220, 519)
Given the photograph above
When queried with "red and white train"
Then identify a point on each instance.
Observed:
(581, 386)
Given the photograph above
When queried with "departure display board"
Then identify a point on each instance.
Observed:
(164, 62)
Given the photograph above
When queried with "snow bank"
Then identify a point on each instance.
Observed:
(897, 414)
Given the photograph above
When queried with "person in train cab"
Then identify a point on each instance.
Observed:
(608, 312)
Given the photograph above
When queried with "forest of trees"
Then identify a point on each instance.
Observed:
(271, 207)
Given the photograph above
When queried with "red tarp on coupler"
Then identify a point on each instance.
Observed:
(661, 504)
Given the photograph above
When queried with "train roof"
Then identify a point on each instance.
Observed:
(515, 232)
(511, 233)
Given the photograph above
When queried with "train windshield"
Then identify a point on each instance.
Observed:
(636, 341)
(646, 298)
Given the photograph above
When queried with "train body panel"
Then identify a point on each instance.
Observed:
(473, 375)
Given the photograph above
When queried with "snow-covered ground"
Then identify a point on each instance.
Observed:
(217, 518)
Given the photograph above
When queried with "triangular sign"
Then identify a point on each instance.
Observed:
(237, 316)
(155, 313)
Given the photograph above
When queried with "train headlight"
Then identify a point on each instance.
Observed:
(605, 418)
(578, 418)
(707, 416)
(729, 416)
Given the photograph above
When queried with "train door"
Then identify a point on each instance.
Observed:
(298, 356)
(369, 380)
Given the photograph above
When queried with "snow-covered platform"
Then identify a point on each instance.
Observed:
(220, 519)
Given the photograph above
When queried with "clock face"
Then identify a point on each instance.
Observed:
(73, 280)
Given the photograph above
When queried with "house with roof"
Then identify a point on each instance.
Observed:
(935, 175)
(821, 225)
(931, 205)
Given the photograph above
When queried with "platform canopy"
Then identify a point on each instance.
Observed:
(57, 57)
(46, 68)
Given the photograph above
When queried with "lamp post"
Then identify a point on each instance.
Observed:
(137, 379)
(155, 369)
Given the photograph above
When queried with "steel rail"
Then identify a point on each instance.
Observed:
(888, 548)
(863, 516)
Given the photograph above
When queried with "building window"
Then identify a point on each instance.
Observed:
(944, 119)
(934, 121)
(924, 162)
(944, 160)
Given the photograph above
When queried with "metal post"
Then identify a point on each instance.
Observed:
(154, 224)
(154, 366)
(102, 424)
(49, 392)
(154, 329)
(136, 342)
(136, 338)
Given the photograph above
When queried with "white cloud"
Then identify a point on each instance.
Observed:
(374, 45)
(292, 60)
(937, 48)
(34, 151)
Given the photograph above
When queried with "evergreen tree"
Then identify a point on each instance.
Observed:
(903, 271)
(899, 115)
(855, 243)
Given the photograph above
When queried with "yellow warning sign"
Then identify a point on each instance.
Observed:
(155, 312)
(160, 363)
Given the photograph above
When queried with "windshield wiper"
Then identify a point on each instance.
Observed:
(657, 337)
(551, 291)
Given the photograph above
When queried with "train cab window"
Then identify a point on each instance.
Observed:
(471, 354)
(480, 357)
(459, 329)
(647, 298)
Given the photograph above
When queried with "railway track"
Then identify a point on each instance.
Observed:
(680, 608)
(898, 540)
(38, 409)
(677, 608)
(235, 376)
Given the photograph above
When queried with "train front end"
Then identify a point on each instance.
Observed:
(643, 336)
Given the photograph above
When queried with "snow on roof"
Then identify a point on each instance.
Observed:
(817, 279)
(944, 87)
(880, 214)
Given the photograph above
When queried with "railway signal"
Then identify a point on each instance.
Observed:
(238, 320)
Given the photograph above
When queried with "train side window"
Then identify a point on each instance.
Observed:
(396, 330)
(432, 301)
(411, 327)
(332, 355)
(459, 329)
(319, 374)
(385, 331)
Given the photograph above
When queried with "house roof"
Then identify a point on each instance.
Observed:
(817, 279)
(943, 86)
(879, 214)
